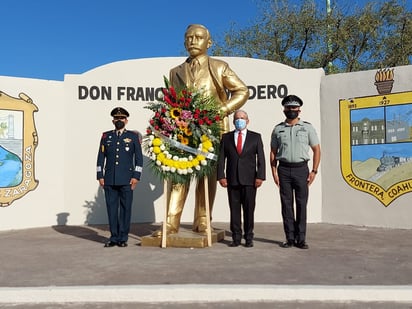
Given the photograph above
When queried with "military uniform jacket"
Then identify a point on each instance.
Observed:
(119, 158)
(292, 142)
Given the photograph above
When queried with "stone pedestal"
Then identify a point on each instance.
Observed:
(184, 239)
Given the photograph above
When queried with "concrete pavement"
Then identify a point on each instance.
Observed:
(67, 266)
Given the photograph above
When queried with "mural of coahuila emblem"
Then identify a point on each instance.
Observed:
(18, 141)
(376, 141)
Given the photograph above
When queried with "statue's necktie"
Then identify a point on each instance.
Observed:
(194, 67)
(239, 143)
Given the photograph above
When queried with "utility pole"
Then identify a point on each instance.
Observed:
(328, 34)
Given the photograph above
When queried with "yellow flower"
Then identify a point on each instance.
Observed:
(204, 138)
(156, 149)
(188, 132)
(207, 145)
(157, 142)
(175, 113)
(185, 141)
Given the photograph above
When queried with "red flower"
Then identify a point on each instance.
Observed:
(173, 92)
(168, 100)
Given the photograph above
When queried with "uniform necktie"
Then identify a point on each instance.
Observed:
(239, 143)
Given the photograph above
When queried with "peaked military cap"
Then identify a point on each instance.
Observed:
(292, 100)
(119, 112)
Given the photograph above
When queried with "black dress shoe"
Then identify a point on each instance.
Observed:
(249, 244)
(234, 244)
(122, 244)
(109, 244)
(287, 244)
(302, 245)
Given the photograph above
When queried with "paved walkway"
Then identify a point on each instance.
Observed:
(67, 267)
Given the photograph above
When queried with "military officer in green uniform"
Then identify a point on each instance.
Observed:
(119, 167)
(289, 157)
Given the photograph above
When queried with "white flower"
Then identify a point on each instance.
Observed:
(203, 162)
(153, 157)
(211, 149)
(158, 163)
(197, 167)
(162, 147)
(190, 170)
(169, 156)
(175, 158)
(151, 137)
(172, 169)
(190, 158)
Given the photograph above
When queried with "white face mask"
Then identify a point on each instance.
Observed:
(240, 124)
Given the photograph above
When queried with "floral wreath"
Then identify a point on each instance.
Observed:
(184, 133)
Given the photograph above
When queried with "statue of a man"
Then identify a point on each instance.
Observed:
(216, 79)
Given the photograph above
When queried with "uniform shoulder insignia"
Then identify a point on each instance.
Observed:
(306, 122)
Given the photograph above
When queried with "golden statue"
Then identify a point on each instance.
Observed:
(216, 79)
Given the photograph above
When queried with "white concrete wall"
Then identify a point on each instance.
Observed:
(69, 131)
(41, 206)
(341, 203)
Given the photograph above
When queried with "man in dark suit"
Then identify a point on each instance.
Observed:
(242, 152)
(119, 167)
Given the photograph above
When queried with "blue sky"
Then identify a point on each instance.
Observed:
(49, 38)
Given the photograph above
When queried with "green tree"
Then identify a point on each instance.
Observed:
(305, 35)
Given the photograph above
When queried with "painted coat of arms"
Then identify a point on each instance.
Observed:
(18, 141)
(376, 141)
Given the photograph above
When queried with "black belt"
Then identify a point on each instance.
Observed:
(293, 164)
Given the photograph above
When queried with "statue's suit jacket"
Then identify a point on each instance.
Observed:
(244, 168)
(224, 80)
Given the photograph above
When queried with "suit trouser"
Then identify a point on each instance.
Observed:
(119, 211)
(177, 194)
(294, 187)
(242, 198)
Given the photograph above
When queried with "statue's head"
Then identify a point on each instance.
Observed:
(197, 40)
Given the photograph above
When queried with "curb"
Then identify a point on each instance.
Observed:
(205, 293)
